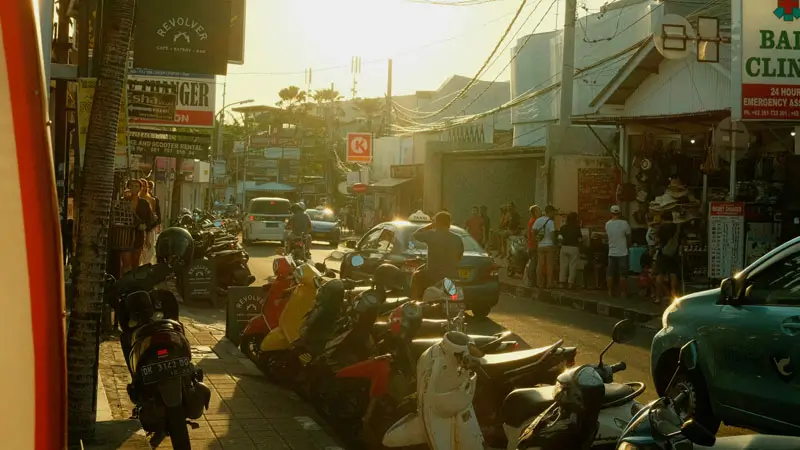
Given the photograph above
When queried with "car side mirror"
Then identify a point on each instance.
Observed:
(697, 433)
(729, 291)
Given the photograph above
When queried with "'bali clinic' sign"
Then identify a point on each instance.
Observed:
(766, 77)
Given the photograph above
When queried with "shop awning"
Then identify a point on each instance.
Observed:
(389, 183)
(272, 187)
(642, 64)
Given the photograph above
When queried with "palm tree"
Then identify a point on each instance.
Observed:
(370, 109)
(291, 97)
(94, 204)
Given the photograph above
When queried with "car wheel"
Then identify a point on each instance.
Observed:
(481, 312)
(697, 404)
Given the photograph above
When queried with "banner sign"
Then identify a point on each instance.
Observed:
(195, 96)
(767, 77)
(726, 239)
(86, 87)
(182, 35)
(244, 303)
(359, 147)
(151, 105)
(236, 39)
(169, 144)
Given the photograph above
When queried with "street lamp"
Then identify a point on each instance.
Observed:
(220, 118)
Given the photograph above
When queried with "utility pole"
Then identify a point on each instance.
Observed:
(218, 144)
(309, 74)
(389, 100)
(568, 65)
(355, 69)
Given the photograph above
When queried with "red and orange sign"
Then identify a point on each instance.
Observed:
(359, 147)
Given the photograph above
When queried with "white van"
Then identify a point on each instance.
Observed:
(265, 219)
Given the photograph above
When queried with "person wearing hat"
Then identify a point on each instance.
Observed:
(619, 240)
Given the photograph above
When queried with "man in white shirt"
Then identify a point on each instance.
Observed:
(544, 230)
(619, 239)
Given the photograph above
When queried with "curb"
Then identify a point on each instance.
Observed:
(563, 298)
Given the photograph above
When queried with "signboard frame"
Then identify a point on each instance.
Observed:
(143, 142)
(189, 89)
(244, 303)
(355, 147)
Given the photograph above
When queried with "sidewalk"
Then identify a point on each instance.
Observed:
(246, 411)
(640, 310)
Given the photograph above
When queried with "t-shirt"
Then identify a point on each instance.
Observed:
(618, 231)
(445, 250)
(571, 235)
(530, 234)
(475, 227)
(301, 223)
(549, 227)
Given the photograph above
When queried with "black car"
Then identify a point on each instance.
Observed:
(392, 242)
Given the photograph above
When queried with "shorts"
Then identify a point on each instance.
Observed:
(617, 266)
(667, 265)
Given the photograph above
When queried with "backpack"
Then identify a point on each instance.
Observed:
(541, 233)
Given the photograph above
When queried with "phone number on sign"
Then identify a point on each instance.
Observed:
(770, 113)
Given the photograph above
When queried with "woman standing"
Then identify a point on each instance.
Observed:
(571, 238)
(148, 250)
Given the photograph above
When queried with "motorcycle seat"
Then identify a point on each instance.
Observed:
(156, 326)
(418, 346)
(495, 365)
(522, 405)
(753, 442)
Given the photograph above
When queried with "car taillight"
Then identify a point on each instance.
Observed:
(252, 218)
(494, 270)
(411, 266)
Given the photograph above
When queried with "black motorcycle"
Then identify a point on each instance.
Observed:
(166, 388)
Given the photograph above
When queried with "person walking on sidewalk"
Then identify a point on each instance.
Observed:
(475, 225)
(571, 238)
(533, 248)
(619, 240)
(545, 229)
(668, 262)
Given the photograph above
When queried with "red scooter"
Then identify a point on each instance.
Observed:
(278, 293)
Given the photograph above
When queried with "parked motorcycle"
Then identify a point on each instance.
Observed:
(660, 425)
(166, 388)
(584, 409)
(518, 255)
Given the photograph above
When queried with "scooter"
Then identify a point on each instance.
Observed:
(528, 414)
(275, 356)
(277, 297)
(166, 388)
(518, 255)
(660, 425)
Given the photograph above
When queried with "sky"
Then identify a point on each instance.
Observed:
(427, 43)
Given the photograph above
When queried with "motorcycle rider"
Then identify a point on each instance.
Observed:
(445, 250)
(300, 226)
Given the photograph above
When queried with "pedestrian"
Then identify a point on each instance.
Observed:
(486, 225)
(533, 249)
(544, 229)
(571, 238)
(475, 225)
(497, 235)
(142, 218)
(668, 263)
(149, 249)
(445, 250)
(157, 209)
(619, 240)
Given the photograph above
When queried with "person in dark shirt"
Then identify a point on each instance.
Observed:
(299, 224)
(571, 238)
(445, 250)
(668, 262)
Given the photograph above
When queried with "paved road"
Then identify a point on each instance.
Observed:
(538, 324)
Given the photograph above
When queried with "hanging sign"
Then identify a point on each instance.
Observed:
(726, 239)
(170, 144)
(766, 81)
(359, 147)
(236, 39)
(182, 35)
(151, 105)
(195, 95)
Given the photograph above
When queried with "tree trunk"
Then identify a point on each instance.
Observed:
(94, 204)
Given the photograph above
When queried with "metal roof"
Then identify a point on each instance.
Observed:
(642, 64)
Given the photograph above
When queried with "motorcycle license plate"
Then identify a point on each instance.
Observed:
(464, 274)
(153, 373)
(270, 224)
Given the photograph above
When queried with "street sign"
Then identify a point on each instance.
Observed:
(765, 75)
(195, 96)
(201, 282)
(726, 240)
(151, 105)
(169, 144)
(359, 147)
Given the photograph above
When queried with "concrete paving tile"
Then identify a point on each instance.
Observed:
(268, 441)
(255, 424)
(206, 444)
(237, 443)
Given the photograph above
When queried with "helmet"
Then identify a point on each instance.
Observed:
(387, 276)
(186, 220)
(175, 247)
(297, 208)
(302, 205)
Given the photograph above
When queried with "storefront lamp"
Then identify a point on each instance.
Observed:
(692, 141)
(793, 133)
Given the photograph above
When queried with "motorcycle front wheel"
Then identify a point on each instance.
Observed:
(177, 428)
(251, 346)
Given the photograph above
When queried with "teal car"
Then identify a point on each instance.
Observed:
(748, 331)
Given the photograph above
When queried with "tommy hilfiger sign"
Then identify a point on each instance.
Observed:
(182, 35)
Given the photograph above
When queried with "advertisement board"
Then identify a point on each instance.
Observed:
(236, 39)
(726, 239)
(766, 60)
(169, 144)
(86, 87)
(195, 97)
(182, 35)
(359, 147)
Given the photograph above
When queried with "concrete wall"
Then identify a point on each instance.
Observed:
(565, 184)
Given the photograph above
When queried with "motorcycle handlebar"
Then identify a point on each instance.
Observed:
(618, 367)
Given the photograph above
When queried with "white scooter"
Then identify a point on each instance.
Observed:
(446, 381)
(523, 407)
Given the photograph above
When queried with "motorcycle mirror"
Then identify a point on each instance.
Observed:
(697, 433)
(449, 286)
(357, 261)
(624, 331)
(320, 267)
(336, 255)
(688, 356)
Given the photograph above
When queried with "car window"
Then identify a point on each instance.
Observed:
(776, 284)
(386, 241)
(269, 207)
(370, 240)
(322, 216)
(470, 244)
